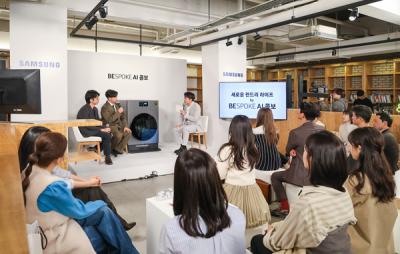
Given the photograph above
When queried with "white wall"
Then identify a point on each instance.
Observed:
(167, 82)
(217, 59)
(38, 33)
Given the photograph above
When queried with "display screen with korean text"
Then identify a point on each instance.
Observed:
(246, 98)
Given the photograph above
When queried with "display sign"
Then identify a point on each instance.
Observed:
(246, 98)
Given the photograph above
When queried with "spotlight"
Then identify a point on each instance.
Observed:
(257, 36)
(353, 14)
(228, 43)
(91, 22)
(240, 40)
(103, 11)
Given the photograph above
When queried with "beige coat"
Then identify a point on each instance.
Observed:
(373, 233)
(64, 235)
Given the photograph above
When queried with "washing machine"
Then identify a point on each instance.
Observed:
(142, 117)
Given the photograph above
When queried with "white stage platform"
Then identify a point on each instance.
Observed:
(130, 166)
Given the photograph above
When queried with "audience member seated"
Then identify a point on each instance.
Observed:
(346, 127)
(382, 123)
(236, 161)
(204, 222)
(85, 190)
(49, 200)
(372, 190)
(266, 140)
(189, 121)
(114, 117)
(319, 219)
(363, 100)
(90, 111)
(360, 117)
(296, 174)
(339, 103)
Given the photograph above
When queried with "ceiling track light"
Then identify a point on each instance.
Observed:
(354, 14)
(240, 40)
(91, 22)
(257, 36)
(228, 42)
(103, 11)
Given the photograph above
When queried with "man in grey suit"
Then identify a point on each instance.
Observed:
(189, 121)
(296, 174)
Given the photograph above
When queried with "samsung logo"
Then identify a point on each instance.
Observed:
(128, 76)
(39, 64)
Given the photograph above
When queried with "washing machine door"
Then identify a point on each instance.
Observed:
(144, 127)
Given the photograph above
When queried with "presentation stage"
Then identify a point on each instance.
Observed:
(246, 98)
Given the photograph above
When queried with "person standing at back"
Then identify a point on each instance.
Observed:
(189, 121)
(113, 115)
(339, 103)
(382, 123)
(296, 174)
(90, 111)
(363, 100)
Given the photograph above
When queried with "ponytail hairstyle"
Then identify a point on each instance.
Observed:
(27, 144)
(49, 146)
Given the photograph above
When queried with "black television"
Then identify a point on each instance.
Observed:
(20, 92)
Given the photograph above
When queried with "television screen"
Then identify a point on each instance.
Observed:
(246, 98)
(20, 92)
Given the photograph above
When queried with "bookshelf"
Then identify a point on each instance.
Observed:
(195, 82)
(380, 80)
(254, 75)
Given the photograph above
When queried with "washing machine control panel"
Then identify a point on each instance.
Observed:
(143, 103)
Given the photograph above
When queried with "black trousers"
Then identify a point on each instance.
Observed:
(257, 245)
(105, 141)
(93, 194)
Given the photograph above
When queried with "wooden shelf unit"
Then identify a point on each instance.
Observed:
(379, 79)
(195, 82)
(254, 75)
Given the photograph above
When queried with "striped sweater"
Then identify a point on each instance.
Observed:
(269, 154)
(318, 211)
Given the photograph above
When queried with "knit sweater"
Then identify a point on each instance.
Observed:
(318, 211)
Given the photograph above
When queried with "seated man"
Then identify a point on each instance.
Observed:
(189, 121)
(90, 111)
(113, 116)
(296, 174)
(382, 123)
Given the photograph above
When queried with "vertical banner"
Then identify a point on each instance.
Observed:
(38, 40)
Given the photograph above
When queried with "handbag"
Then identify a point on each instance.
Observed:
(37, 240)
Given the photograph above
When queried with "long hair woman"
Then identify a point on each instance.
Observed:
(266, 139)
(319, 219)
(236, 162)
(204, 222)
(372, 189)
(49, 200)
(85, 190)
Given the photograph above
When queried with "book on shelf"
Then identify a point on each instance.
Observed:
(380, 98)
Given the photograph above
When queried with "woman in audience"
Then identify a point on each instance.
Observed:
(49, 200)
(266, 140)
(372, 190)
(204, 221)
(236, 161)
(85, 190)
(319, 219)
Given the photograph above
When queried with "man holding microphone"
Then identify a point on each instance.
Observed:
(113, 114)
